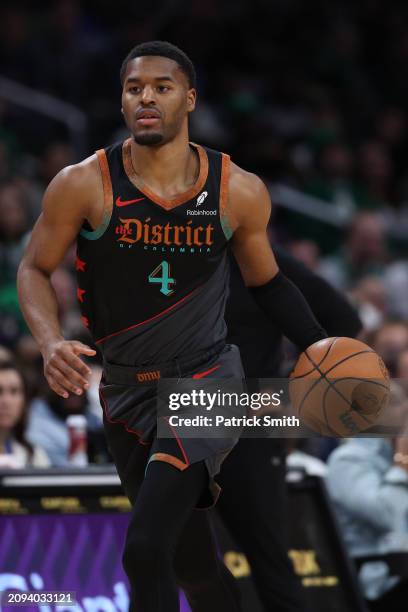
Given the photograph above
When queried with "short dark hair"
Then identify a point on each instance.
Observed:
(19, 430)
(162, 48)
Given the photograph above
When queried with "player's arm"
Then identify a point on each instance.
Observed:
(329, 305)
(250, 208)
(65, 206)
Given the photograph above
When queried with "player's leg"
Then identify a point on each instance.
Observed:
(256, 486)
(164, 503)
(200, 572)
(129, 456)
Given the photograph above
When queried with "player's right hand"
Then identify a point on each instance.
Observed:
(64, 370)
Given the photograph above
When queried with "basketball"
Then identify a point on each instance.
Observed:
(339, 387)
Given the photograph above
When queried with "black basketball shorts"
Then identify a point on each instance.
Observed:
(128, 397)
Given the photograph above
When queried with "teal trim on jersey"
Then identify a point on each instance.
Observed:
(100, 230)
(226, 227)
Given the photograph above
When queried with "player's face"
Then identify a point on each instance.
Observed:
(156, 99)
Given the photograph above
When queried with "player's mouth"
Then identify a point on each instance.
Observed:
(147, 117)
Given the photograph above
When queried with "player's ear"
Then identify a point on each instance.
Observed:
(121, 110)
(191, 100)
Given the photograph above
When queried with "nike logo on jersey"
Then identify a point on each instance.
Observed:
(120, 202)
(201, 198)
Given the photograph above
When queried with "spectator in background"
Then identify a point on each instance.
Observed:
(5, 157)
(55, 156)
(5, 354)
(14, 223)
(391, 130)
(47, 423)
(29, 358)
(389, 341)
(391, 127)
(334, 182)
(402, 366)
(368, 482)
(375, 170)
(15, 450)
(396, 287)
(369, 296)
(307, 252)
(364, 253)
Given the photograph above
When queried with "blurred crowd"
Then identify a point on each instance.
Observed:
(311, 96)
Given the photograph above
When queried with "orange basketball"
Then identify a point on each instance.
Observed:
(339, 387)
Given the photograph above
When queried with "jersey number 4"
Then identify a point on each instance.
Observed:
(164, 280)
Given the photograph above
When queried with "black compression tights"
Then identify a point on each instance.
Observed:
(161, 533)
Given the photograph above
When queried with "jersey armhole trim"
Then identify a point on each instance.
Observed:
(224, 191)
(107, 199)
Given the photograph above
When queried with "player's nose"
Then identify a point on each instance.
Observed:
(148, 95)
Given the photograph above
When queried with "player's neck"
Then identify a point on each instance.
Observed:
(167, 170)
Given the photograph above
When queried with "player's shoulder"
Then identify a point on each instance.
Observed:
(245, 185)
(248, 198)
(80, 175)
(74, 189)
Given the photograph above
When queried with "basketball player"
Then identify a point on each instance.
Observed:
(152, 217)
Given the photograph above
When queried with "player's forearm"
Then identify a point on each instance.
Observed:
(39, 305)
(286, 306)
(331, 307)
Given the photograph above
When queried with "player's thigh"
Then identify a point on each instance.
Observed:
(166, 499)
(129, 455)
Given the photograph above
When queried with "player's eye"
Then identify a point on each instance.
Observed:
(134, 89)
(163, 88)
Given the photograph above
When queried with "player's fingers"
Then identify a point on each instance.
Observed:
(56, 387)
(58, 377)
(59, 390)
(83, 349)
(78, 365)
(71, 373)
(66, 353)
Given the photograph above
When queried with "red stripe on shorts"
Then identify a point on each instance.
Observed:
(207, 372)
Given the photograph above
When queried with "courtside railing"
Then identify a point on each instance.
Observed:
(37, 101)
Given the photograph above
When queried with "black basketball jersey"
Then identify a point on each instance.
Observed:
(153, 277)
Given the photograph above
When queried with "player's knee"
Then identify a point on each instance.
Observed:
(137, 554)
(196, 575)
(143, 554)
